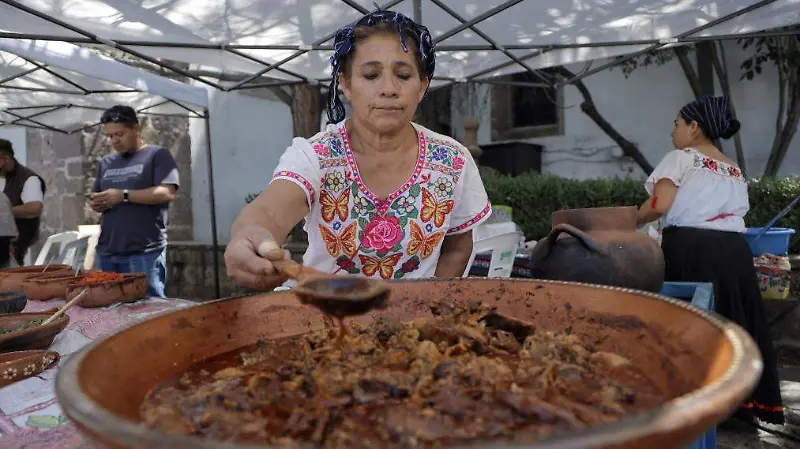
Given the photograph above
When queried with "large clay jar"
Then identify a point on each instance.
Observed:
(599, 246)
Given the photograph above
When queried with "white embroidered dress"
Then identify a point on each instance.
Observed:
(711, 194)
(351, 230)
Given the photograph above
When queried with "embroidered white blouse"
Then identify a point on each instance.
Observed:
(351, 230)
(711, 194)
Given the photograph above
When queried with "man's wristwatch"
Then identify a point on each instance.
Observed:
(125, 197)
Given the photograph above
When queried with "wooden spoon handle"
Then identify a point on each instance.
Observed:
(66, 307)
(295, 270)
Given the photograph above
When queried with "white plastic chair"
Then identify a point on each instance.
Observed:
(61, 240)
(504, 252)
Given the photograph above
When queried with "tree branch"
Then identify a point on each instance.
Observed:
(722, 74)
(588, 107)
(688, 69)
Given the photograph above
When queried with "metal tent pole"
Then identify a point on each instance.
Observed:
(212, 206)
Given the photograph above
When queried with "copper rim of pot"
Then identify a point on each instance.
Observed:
(733, 387)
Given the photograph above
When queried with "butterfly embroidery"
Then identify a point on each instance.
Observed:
(433, 209)
(345, 241)
(422, 244)
(333, 206)
(371, 265)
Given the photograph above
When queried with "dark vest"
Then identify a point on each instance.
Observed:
(15, 181)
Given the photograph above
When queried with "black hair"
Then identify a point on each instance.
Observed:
(712, 115)
(125, 115)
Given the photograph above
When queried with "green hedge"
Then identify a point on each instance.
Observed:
(534, 197)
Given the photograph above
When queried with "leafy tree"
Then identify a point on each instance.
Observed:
(783, 52)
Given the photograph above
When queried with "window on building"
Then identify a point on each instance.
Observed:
(521, 111)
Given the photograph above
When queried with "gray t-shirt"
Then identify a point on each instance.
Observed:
(130, 228)
(8, 227)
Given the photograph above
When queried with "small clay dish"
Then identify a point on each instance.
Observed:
(44, 287)
(17, 366)
(16, 336)
(132, 287)
(12, 302)
(11, 279)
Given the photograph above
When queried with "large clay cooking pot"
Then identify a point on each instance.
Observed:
(599, 246)
(708, 364)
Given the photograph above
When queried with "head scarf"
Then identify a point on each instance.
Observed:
(713, 116)
(343, 45)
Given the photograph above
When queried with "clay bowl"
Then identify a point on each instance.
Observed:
(44, 287)
(11, 279)
(17, 366)
(12, 302)
(34, 337)
(132, 287)
(708, 364)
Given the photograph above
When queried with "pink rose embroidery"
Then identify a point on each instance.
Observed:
(458, 163)
(382, 234)
(322, 150)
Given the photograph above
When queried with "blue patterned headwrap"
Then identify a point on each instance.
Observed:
(713, 116)
(344, 42)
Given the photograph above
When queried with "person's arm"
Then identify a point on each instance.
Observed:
(32, 199)
(155, 195)
(472, 208)
(455, 254)
(659, 202)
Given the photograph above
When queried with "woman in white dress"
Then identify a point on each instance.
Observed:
(702, 197)
(380, 195)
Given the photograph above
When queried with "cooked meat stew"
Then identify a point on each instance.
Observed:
(467, 374)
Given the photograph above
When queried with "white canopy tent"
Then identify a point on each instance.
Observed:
(65, 88)
(291, 40)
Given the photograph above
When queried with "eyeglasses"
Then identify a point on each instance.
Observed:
(118, 117)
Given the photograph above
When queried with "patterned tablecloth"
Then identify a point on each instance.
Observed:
(30, 416)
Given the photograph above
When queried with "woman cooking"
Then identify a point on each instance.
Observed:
(702, 197)
(381, 196)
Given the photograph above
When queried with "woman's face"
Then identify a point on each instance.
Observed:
(383, 84)
(684, 134)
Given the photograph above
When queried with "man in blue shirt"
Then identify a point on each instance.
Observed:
(133, 189)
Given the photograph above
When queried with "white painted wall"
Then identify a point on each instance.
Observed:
(642, 108)
(248, 136)
(16, 135)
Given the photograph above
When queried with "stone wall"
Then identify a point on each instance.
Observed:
(191, 271)
(58, 159)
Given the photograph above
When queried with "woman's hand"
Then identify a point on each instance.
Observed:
(248, 259)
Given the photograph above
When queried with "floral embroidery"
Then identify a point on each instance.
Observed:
(705, 162)
(347, 264)
(335, 181)
(382, 234)
(443, 188)
(473, 220)
(333, 206)
(405, 205)
(409, 266)
(285, 174)
(361, 206)
(344, 242)
(391, 237)
(372, 265)
(322, 150)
